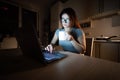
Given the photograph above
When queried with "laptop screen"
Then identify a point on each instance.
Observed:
(27, 39)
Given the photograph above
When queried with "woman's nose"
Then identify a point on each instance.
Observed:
(65, 21)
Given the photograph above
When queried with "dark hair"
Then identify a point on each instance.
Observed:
(71, 13)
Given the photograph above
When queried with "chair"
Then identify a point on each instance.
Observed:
(89, 46)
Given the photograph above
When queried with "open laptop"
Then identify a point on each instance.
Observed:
(27, 39)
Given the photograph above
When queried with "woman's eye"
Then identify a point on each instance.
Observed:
(66, 20)
(63, 20)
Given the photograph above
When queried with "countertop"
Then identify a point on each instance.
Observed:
(108, 41)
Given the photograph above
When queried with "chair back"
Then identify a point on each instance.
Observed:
(89, 46)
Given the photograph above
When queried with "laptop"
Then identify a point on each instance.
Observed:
(27, 39)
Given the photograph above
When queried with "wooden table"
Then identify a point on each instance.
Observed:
(73, 67)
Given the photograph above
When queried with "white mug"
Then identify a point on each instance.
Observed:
(62, 35)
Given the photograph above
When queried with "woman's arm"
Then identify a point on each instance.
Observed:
(80, 46)
(54, 40)
(50, 47)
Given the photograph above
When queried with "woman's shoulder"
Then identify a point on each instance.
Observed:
(78, 30)
(58, 30)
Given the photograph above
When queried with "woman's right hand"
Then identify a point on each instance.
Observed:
(49, 48)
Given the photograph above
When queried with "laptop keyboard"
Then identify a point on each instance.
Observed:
(53, 56)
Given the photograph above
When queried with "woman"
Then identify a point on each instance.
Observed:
(71, 37)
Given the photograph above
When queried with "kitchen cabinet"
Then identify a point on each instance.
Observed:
(102, 8)
(107, 50)
(106, 6)
(119, 54)
(111, 5)
(90, 8)
(99, 9)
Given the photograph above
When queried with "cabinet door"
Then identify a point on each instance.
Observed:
(111, 5)
(119, 53)
(109, 51)
(90, 9)
(96, 50)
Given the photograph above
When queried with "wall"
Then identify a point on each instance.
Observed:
(35, 6)
(54, 17)
(42, 10)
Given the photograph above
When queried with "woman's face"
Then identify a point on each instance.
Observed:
(66, 22)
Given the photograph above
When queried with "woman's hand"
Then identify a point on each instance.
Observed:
(69, 37)
(49, 48)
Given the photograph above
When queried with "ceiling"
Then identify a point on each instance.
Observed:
(47, 2)
(44, 3)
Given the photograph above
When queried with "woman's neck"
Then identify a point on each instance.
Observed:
(68, 29)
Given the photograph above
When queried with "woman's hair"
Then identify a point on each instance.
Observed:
(71, 13)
